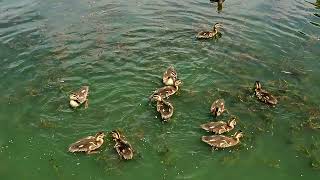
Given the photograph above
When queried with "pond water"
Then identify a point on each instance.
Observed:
(120, 49)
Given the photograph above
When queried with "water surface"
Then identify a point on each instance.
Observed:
(120, 49)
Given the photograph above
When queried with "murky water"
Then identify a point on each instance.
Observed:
(120, 49)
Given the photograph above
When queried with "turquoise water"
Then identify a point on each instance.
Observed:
(120, 49)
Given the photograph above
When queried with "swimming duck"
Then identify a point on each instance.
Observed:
(221, 141)
(217, 107)
(219, 127)
(123, 148)
(220, 2)
(169, 76)
(163, 107)
(79, 97)
(217, 1)
(209, 34)
(88, 144)
(263, 95)
(167, 91)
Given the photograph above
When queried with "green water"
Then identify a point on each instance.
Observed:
(120, 49)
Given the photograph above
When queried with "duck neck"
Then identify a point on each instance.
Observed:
(214, 29)
(231, 125)
(177, 88)
(237, 139)
(100, 140)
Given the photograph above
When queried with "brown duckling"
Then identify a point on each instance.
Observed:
(209, 34)
(220, 3)
(221, 141)
(163, 107)
(88, 144)
(123, 148)
(79, 97)
(169, 76)
(263, 95)
(218, 107)
(167, 91)
(217, 1)
(219, 127)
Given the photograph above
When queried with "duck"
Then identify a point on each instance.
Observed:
(217, 1)
(167, 91)
(169, 76)
(88, 144)
(218, 107)
(123, 148)
(209, 34)
(220, 127)
(164, 108)
(221, 141)
(80, 97)
(264, 96)
(220, 3)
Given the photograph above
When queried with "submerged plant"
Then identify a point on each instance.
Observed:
(311, 152)
(272, 163)
(315, 164)
(230, 159)
(46, 124)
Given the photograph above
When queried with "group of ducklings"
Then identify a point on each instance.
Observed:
(91, 144)
(172, 83)
(219, 127)
(218, 107)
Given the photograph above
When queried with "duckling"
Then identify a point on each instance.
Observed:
(167, 91)
(220, 3)
(169, 76)
(163, 107)
(218, 107)
(219, 127)
(88, 144)
(79, 97)
(263, 95)
(221, 141)
(123, 148)
(217, 1)
(209, 34)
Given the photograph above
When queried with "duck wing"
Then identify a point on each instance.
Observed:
(82, 144)
(165, 108)
(124, 149)
(220, 141)
(215, 127)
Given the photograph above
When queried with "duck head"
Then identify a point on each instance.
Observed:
(216, 26)
(232, 122)
(238, 135)
(257, 85)
(115, 135)
(177, 82)
(100, 135)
